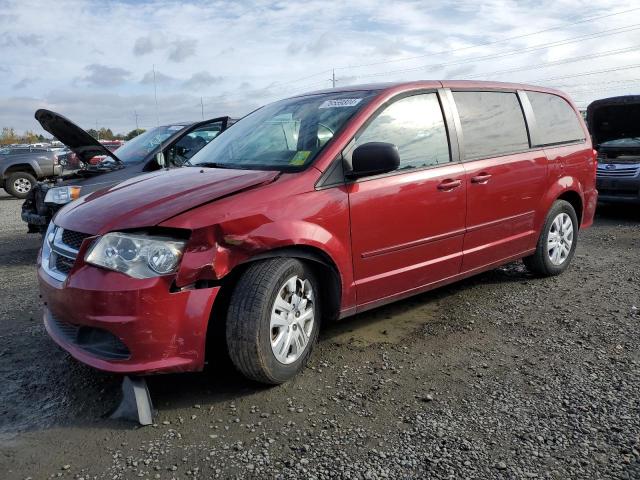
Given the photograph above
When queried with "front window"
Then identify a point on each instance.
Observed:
(415, 125)
(192, 143)
(285, 135)
(137, 149)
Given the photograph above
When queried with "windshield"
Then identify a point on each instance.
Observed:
(137, 149)
(284, 135)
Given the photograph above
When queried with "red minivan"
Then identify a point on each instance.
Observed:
(314, 208)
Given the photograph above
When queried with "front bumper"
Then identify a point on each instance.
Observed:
(119, 324)
(619, 190)
(34, 211)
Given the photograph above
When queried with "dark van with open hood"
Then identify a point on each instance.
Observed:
(177, 143)
(614, 124)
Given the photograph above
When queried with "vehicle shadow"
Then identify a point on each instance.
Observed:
(85, 397)
(220, 382)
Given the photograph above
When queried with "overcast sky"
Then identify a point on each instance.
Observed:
(93, 61)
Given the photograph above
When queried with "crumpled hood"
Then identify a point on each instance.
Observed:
(150, 199)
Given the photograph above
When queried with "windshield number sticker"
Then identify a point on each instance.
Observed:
(340, 103)
(175, 127)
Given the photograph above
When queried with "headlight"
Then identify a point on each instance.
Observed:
(62, 195)
(137, 255)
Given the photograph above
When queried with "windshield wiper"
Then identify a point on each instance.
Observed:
(210, 165)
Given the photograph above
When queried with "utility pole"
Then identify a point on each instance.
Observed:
(155, 94)
(97, 131)
(136, 115)
(202, 107)
(333, 78)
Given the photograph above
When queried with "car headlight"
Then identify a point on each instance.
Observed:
(137, 255)
(62, 195)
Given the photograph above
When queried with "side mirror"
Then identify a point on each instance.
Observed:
(160, 159)
(374, 158)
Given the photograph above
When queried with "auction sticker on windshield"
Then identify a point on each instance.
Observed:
(342, 102)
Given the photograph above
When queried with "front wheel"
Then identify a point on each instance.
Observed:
(557, 243)
(273, 320)
(19, 184)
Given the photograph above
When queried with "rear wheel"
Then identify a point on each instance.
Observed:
(19, 184)
(273, 320)
(557, 243)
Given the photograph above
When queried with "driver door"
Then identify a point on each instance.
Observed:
(407, 226)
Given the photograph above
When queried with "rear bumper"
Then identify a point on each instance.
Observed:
(590, 203)
(123, 325)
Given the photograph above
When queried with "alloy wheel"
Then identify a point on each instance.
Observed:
(292, 320)
(22, 185)
(560, 239)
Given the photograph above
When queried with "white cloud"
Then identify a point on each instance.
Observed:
(202, 79)
(104, 76)
(91, 59)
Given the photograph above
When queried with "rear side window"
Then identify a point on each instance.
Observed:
(416, 126)
(557, 122)
(492, 124)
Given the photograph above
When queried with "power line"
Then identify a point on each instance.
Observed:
(584, 74)
(615, 31)
(443, 52)
(560, 62)
(602, 82)
(529, 67)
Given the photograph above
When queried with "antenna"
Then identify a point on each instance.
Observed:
(202, 107)
(333, 78)
(135, 112)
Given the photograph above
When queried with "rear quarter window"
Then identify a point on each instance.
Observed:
(556, 121)
(492, 124)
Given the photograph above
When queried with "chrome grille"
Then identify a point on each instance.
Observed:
(617, 170)
(73, 239)
(60, 250)
(63, 264)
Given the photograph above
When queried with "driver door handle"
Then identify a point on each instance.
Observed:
(481, 178)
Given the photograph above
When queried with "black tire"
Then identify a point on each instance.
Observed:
(539, 263)
(11, 187)
(248, 329)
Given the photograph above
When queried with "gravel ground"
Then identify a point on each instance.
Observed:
(500, 376)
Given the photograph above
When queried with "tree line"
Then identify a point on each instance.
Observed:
(10, 136)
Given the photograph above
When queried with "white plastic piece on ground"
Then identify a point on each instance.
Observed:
(136, 402)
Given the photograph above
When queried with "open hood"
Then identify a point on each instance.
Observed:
(614, 118)
(148, 200)
(78, 140)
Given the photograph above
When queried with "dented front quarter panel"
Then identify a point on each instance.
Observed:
(288, 212)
